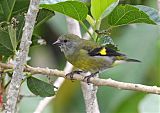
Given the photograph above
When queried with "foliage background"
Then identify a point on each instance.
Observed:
(138, 41)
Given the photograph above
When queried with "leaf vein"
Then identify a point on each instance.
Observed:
(123, 16)
(75, 10)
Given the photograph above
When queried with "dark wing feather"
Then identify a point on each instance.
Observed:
(95, 52)
(104, 51)
(111, 52)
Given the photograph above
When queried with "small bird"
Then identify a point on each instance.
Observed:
(88, 55)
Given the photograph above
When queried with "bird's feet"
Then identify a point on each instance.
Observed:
(87, 78)
(70, 75)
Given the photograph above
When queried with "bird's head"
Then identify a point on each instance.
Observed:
(68, 43)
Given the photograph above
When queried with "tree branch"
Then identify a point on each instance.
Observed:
(90, 97)
(90, 91)
(95, 81)
(21, 56)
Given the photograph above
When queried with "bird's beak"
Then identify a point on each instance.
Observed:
(58, 42)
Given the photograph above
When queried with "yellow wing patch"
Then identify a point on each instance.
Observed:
(103, 51)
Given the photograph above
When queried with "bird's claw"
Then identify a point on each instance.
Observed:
(72, 73)
(87, 78)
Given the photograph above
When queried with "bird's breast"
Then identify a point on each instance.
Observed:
(90, 63)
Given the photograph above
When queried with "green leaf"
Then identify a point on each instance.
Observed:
(6, 47)
(107, 41)
(20, 19)
(43, 16)
(39, 87)
(20, 7)
(6, 7)
(101, 8)
(74, 9)
(129, 14)
(12, 35)
(9, 8)
(13, 8)
(112, 46)
(11, 31)
(151, 12)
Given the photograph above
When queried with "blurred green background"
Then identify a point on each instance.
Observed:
(138, 41)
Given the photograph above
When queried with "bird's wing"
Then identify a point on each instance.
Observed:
(104, 51)
(94, 49)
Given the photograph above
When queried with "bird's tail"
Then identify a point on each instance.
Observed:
(132, 60)
(125, 58)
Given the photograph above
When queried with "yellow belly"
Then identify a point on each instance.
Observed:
(89, 63)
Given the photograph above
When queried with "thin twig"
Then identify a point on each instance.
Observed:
(95, 81)
(21, 56)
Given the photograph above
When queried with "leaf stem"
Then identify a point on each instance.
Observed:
(86, 29)
(27, 76)
(90, 20)
(7, 84)
(96, 27)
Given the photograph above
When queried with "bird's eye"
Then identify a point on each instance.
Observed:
(65, 41)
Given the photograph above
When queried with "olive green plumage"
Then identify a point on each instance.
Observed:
(88, 55)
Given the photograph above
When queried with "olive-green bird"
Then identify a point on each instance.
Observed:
(87, 55)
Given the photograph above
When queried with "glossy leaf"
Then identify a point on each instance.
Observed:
(20, 19)
(74, 9)
(101, 8)
(8, 8)
(129, 14)
(20, 7)
(39, 87)
(6, 47)
(151, 12)
(107, 41)
(12, 35)
(42, 17)
(17, 9)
